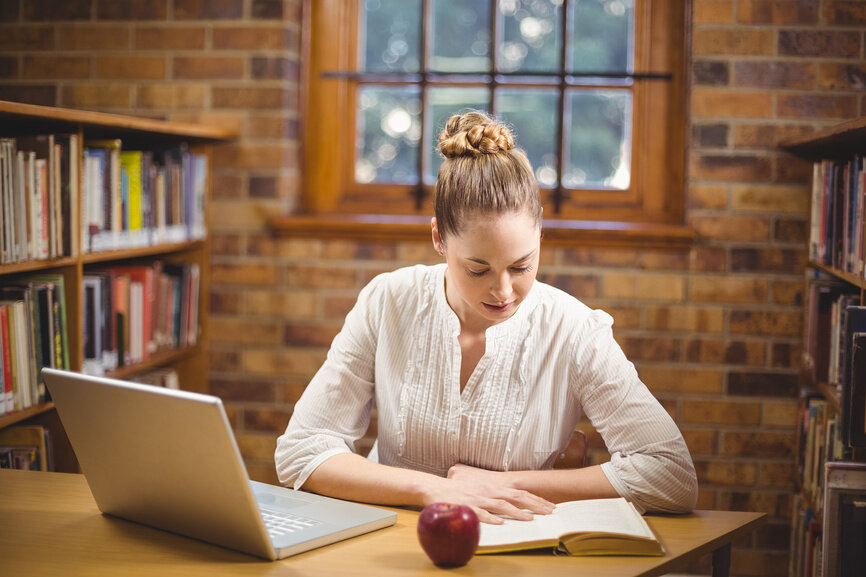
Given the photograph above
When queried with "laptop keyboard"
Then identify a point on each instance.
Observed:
(279, 523)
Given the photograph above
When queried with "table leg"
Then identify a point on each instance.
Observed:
(722, 561)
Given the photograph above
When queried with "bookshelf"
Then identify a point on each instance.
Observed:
(832, 417)
(103, 221)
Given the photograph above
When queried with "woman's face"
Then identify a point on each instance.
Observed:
(492, 265)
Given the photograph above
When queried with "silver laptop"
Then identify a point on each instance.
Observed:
(168, 459)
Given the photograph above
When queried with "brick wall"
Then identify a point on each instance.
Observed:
(715, 332)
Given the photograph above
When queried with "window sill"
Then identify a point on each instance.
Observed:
(402, 228)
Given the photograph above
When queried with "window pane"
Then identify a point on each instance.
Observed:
(443, 103)
(603, 36)
(598, 153)
(532, 113)
(389, 130)
(461, 36)
(531, 36)
(390, 36)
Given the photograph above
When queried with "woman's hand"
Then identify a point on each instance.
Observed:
(488, 493)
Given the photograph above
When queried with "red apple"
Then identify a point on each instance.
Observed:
(448, 533)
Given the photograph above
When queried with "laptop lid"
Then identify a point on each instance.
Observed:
(168, 459)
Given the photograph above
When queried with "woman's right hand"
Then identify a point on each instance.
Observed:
(487, 493)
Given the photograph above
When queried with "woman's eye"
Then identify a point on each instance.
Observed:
(522, 269)
(475, 273)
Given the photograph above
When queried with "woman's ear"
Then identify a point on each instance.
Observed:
(437, 240)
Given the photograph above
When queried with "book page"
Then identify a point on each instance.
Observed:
(593, 515)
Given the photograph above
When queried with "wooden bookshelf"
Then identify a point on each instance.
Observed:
(839, 144)
(21, 120)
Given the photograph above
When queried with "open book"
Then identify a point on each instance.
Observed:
(590, 527)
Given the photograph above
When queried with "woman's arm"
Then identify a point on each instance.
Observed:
(554, 485)
(350, 476)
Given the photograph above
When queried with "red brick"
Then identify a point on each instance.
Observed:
(266, 420)
(720, 412)
(845, 13)
(132, 10)
(275, 68)
(250, 97)
(725, 352)
(27, 38)
(708, 259)
(310, 335)
(774, 74)
(208, 9)
(131, 67)
(8, 68)
(825, 44)
(776, 474)
(700, 442)
(730, 167)
(758, 444)
(201, 67)
(793, 170)
(768, 135)
(92, 38)
(739, 228)
(674, 378)
(848, 76)
(246, 274)
(710, 135)
(53, 11)
(733, 41)
(98, 96)
(55, 67)
(580, 286)
(787, 292)
(756, 384)
(711, 73)
(250, 38)
(725, 473)
(263, 156)
(10, 11)
(30, 94)
(777, 12)
(816, 106)
(770, 198)
(225, 302)
(223, 244)
(244, 390)
(775, 504)
(770, 323)
(717, 289)
(313, 276)
(169, 38)
(653, 348)
(767, 260)
(228, 361)
(715, 103)
(785, 356)
(267, 9)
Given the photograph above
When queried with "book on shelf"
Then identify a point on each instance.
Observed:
(588, 527)
(131, 312)
(856, 406)
(836, 234)
(134, 198)
(161, 377)
(38, 197)
(26, 447)
(33, 334)
(844, 520)
(853, 321)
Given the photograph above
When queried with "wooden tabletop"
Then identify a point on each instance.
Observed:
(50, 525)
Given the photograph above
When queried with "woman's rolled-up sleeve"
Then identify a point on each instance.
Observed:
(650, 463)
(334, 410)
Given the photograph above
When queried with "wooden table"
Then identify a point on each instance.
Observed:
(50, 525)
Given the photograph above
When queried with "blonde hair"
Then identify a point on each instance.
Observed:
(483, 173)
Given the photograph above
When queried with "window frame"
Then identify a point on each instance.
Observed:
(652, 208)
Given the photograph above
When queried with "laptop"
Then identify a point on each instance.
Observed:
(168, 459)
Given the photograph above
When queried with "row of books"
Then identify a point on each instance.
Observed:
(818, 441)
(132, 312)
(835, 324)
(26, 447)
(38, 197)
(128, 198)
(135, 198)
(32, 335)
(837, 237)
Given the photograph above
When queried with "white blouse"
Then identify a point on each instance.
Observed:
(551, 361)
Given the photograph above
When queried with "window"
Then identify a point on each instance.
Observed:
(594, 89)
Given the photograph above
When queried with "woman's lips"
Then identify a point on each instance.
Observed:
(501, 308)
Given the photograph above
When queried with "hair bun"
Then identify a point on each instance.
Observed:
(474, 134)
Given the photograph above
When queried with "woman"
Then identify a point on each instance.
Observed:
(480, 373)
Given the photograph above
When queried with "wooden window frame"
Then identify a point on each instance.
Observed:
(651, 211)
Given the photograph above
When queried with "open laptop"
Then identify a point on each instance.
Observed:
(168, 459)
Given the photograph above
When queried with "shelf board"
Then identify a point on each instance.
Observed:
(834, 142)
(37, 265)
(840, 274)
(165, 358)
(144, 251)
(24, 414)
(16, 115)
